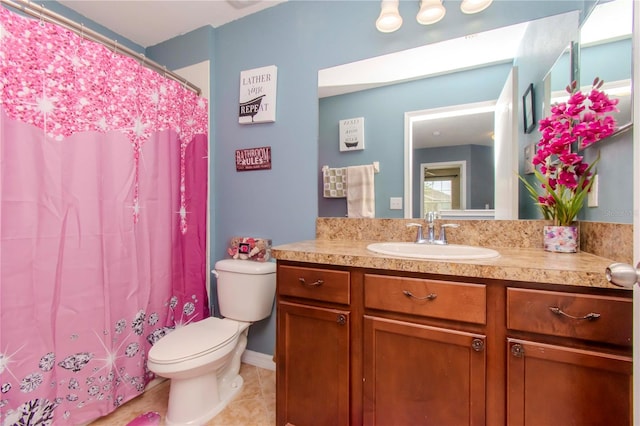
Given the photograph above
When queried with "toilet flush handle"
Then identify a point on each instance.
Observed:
(214, 272)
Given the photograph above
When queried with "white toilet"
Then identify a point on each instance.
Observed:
(202, 359)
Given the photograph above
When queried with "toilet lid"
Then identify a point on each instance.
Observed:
(193, 340)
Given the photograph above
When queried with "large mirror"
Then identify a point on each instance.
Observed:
(443, 142)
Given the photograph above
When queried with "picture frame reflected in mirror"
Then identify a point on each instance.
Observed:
(528, 109)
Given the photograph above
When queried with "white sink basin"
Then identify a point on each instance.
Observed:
(433, 251)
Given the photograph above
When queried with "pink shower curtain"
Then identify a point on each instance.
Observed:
(103, 177)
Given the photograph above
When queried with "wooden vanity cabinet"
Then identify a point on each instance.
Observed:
(585, 379)
(313, 346)
(416, 373)
(359, 346)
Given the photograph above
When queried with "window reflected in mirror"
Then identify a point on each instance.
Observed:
(441, 188)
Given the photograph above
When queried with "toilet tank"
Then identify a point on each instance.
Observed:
(246, 289)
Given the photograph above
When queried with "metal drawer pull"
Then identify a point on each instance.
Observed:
(592, 316)
(315, 284)
(517, 350)
(429, 296)
(477, 345)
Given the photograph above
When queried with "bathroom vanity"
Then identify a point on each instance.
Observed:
(529, 338)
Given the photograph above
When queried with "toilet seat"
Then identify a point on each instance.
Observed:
(194, 340)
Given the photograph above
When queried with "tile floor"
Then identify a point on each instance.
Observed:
(254, 406)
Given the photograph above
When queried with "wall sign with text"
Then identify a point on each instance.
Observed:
(258, 95)
(253, 159)
(352, 134)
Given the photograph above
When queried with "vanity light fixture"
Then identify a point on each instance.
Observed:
(431, 11)
(389, 19)
(474, 6)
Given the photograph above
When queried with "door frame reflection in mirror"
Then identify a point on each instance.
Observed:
(411, 119)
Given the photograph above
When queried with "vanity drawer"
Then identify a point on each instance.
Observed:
(597, 318)
(325, 285)
(430, 298)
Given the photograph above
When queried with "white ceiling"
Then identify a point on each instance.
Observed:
(149, 22)
(472, 128)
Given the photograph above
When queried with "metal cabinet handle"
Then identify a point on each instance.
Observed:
(314, 284)
(429, 296)
(592, 316)
(342, 319)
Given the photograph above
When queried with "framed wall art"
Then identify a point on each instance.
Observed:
(258, 95)
(253, 159)
(352, 134)
(528, 110)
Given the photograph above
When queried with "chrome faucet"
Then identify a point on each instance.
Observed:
(431, 217)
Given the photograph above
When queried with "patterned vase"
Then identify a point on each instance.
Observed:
(561, 239)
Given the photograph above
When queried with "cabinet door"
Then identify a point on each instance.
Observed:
(556, 385)
(313, 365)
(421, 375)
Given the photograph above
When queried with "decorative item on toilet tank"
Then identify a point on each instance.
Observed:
(250, 248)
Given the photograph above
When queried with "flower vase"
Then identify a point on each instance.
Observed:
(561, 239)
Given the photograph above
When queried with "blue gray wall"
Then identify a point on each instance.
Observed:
(299, 37)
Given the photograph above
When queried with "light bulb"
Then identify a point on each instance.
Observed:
(431, 11)
(389, 19)
(474, 6)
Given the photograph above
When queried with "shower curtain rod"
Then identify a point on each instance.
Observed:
(42, 13)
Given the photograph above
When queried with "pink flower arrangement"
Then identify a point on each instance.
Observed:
(564, 176)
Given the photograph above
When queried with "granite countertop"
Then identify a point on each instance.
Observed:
(514, 264)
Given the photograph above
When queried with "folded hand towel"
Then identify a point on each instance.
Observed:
(335, 182)
(360, 191)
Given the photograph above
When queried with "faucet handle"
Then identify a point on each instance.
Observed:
(419, 238)
(443, 233)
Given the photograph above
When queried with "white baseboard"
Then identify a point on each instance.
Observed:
(258, 359)
(155, 382)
